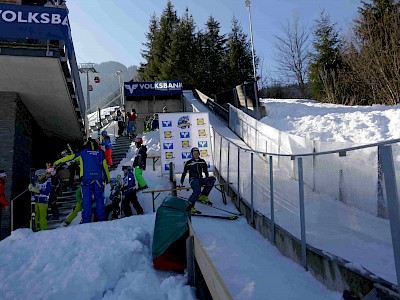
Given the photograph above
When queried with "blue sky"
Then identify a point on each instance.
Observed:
(105, 30)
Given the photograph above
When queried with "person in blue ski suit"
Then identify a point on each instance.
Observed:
(93, 173)
(129, 193)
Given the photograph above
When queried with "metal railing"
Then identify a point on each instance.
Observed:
(106, 101)
(348, 183)
(270, 190)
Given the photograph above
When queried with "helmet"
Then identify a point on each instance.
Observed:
(104, 132)
(139, 140)
(129, 168)
(51, 170)
(194, 149)
(3, 173)
(40, 175)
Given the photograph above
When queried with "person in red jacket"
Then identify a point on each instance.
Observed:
(3, 201)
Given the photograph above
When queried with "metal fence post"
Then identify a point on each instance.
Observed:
(229, 150)
(381, 201)
(271, 190)
(392, 202)
(191, 268)
(172, 178)
(238, 176)
(302, 214)
(252, 187)
(220, 158)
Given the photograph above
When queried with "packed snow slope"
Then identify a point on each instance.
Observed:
(333, 123)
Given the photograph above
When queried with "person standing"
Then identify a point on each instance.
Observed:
(140, 163)
(121, 123)
(3, 201)
(55, 189)
(132, 121)
(129, 192)
(93, 173)
(196, 166)
(107, 147)
(41, 192)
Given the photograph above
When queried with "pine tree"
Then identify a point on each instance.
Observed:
(179, 62)
(212, 44)
(160, 38)
(146, 70)
(238, 62)
(325, 60)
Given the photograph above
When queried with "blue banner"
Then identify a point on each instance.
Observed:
(34, 22)
(153, 88)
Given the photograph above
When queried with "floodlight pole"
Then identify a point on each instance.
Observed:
(251, 40)
(119, 73)
(87, 68)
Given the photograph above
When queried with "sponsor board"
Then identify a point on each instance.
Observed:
(179, 132)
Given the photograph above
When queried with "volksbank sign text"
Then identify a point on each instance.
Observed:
(153, 88)
(34, 22)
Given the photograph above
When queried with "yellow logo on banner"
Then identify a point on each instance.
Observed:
(203, 153)
(185, 144)
(200, 121)
(202, 132)
(167, 134)
(168, 155)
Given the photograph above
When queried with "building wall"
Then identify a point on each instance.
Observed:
(8, 103)
(146, 108)
(23, 146)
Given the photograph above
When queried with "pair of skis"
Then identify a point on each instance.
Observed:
(233, 216)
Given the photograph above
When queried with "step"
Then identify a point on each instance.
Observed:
(120, 145)
(61, 198)
(119, 157)
(120, 150)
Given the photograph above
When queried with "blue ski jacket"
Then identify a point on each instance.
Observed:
(129, 184)
(44, 189)
(107, 143)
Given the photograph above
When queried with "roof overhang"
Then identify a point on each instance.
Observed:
(42, 86)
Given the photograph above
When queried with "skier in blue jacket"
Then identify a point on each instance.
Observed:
(93, 173)
(129, 193)
(107, 147)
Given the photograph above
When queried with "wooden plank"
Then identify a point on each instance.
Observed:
(215, 284)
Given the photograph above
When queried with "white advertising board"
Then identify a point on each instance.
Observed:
(179, 132)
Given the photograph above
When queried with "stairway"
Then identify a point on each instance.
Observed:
(120, 148)
(66, 203)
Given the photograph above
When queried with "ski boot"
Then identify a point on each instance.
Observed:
(204, 199)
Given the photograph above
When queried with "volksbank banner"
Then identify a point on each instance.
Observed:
(153, 88)
(34, 22)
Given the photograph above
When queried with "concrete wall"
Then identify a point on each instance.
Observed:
(7, 128)
(146, 108)
(23, 145)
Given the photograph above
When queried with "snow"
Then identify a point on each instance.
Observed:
(333, 123)
(112, 260)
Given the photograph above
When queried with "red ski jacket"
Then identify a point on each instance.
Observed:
(3, 201)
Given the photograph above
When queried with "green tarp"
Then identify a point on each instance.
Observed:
(171, 224)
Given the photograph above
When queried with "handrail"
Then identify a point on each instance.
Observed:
(96, 106)
(343, 150)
